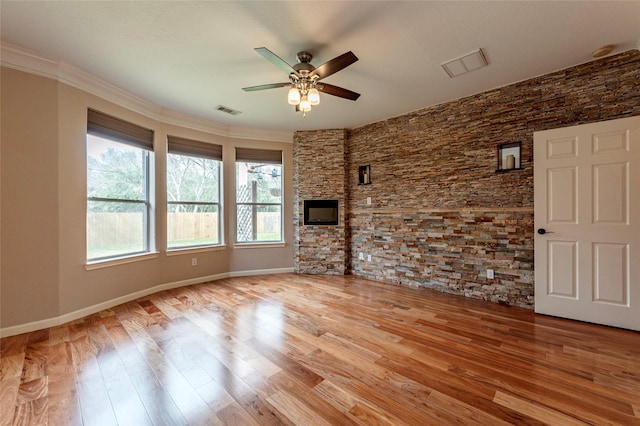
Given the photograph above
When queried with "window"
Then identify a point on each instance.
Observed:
(193, 193)
(258, 195)
(119, 159)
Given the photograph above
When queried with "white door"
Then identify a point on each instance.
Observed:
(587, 222)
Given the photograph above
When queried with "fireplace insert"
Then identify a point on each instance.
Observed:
(320, 212)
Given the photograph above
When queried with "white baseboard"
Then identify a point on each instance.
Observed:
(80, 313)
(261, 272)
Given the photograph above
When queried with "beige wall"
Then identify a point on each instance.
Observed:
(43, 205)
(30, 258)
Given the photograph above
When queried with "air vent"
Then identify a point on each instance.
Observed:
(227, 110)
(464, 64)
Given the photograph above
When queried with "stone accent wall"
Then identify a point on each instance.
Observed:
(320, 172)
(440, 214)
(449, 250)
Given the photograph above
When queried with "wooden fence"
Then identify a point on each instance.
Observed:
(106, 229)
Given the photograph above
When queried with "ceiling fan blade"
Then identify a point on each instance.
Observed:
(334, 65)
(276, 60)
(265, 86)
(330, 89)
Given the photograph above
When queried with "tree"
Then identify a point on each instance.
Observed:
(117, 174)
(192, 179)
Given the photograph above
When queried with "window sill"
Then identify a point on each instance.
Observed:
(186, 250)
(98, 264)
(259, 245)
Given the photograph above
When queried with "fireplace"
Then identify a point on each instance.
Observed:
(320, 212)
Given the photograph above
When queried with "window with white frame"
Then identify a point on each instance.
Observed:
(119, 187)
(193, 193)
(258, 195)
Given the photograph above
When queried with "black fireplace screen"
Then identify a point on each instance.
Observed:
(320, 212)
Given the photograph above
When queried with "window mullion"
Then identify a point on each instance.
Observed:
(257, 204)
(195, 203)
(116, 200)
(147, 204)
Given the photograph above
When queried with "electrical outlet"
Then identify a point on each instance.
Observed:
(194, 261)
(368, 200)
(490, 274)
(361, 256)
(368, 258)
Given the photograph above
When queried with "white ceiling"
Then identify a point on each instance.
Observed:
(190, 57)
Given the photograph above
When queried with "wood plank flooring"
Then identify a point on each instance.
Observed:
(318, 350)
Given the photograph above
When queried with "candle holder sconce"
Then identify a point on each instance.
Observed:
(364, 175)
(509, 157)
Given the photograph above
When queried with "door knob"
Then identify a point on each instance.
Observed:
(543, 231)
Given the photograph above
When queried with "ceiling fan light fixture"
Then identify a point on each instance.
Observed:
(314, 96)
(305, 105)
(303, 78)
(294, 96)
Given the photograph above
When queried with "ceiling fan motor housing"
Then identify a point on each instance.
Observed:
(303, 68)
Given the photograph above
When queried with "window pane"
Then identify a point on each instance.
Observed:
(192, 179)
(259, 223)
(115, 170)
(115, 228)
(258, 183)
(192, 225)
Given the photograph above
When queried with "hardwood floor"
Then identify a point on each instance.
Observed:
(318, 350)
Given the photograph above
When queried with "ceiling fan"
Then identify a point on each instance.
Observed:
(304, 78)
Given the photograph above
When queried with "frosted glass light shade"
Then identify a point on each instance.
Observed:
(314, 97)
(305, 105)
(294, 96)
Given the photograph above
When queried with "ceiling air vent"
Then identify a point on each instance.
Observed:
(464, 64)
(227, 110)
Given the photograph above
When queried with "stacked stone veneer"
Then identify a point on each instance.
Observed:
(449, 250)
(441, 215)
(320, 173)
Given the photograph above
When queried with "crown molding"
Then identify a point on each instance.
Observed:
(18, 58)
(197, 123)
(15, 57)
(80, 79)
(260, 134)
